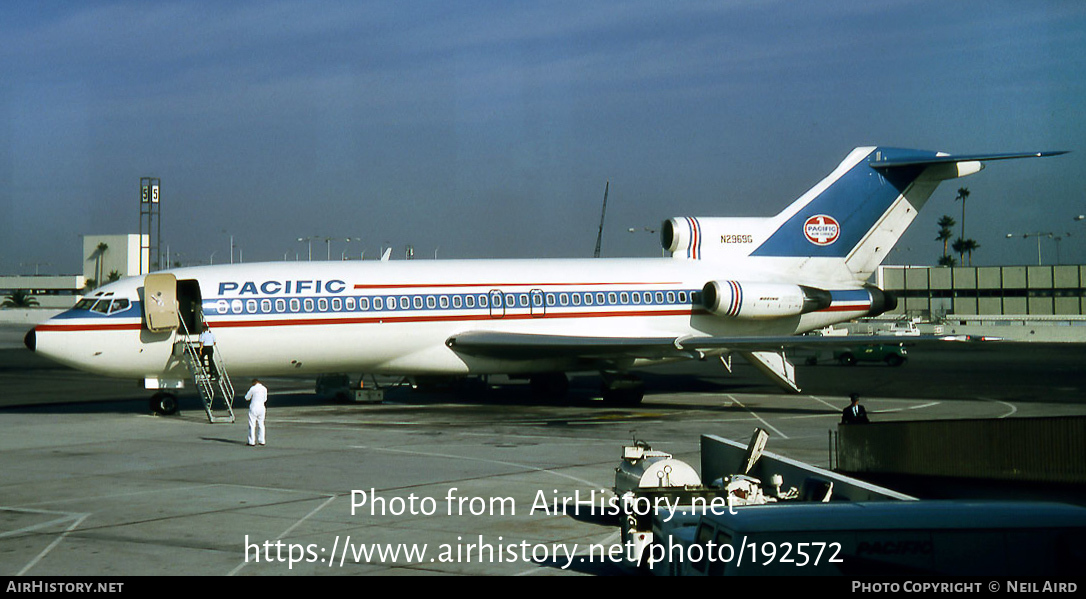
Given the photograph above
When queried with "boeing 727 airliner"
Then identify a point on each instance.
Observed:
(745, 286)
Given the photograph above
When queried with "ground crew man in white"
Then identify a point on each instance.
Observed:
(257, 397)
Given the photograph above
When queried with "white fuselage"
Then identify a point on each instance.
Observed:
(395, 317)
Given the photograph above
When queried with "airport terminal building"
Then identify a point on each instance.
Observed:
(970, 291)
(105, 258)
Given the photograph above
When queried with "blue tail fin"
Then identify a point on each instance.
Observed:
(861, 209)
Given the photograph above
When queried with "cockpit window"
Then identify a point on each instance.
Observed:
(104, 305)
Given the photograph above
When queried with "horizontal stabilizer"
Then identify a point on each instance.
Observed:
(924, 158)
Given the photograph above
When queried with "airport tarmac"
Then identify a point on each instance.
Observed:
(469, 481)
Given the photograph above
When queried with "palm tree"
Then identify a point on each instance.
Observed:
(948, 261)
(959, 248)
(969, 245)
(19, 299)
(963, 195)
(946, 226)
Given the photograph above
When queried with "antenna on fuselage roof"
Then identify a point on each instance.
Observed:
(599, 236)
(385, 256)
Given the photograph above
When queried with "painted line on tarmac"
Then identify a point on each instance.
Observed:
(1014, 409)
(77, 520)
(286, 532)
(760, 419)
(484, 460)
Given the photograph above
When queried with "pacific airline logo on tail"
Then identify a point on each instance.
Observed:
(821, 230)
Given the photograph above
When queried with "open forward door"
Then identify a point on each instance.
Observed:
(160, 302)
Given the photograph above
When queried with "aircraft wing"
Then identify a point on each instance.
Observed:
(526, 346)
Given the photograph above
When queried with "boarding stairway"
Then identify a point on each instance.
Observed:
(212, 387)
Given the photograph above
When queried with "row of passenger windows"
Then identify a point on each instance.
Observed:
(491, 300)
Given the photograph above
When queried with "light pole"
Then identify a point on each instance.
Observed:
(650, 230)
(348, 240)
(1038, 236)
(231, 245)
(308, 240)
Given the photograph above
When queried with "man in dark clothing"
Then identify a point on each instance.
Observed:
(854, 413)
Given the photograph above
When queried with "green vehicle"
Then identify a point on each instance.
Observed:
(892, 355)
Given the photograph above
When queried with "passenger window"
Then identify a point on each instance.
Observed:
(457, 302)
(625, 297)
(280, 305)
(265, 306)
(444, 302)
(418, 302)
(612, 298)
(671, 297)
(250, 306)
(350, 304)
(378, 303)
(470, 301)
(404, 302)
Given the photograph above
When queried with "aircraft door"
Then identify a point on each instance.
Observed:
(538, 303)
(160, 302)
(190, 305)
(497, 304)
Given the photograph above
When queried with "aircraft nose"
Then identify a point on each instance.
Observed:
(30, 340)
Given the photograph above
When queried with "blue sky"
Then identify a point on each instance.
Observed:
(489, 129)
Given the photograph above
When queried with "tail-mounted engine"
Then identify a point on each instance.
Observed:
(762, 300)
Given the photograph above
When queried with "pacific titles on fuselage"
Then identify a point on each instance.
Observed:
(281, 287)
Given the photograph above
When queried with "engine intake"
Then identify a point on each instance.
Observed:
(762, 300)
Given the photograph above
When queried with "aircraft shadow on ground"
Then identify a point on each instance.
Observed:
(584, 392)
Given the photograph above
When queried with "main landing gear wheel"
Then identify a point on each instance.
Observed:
(164, 404)
(622, 389)
(550, 384)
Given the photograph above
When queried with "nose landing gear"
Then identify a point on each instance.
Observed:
(164, 404)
